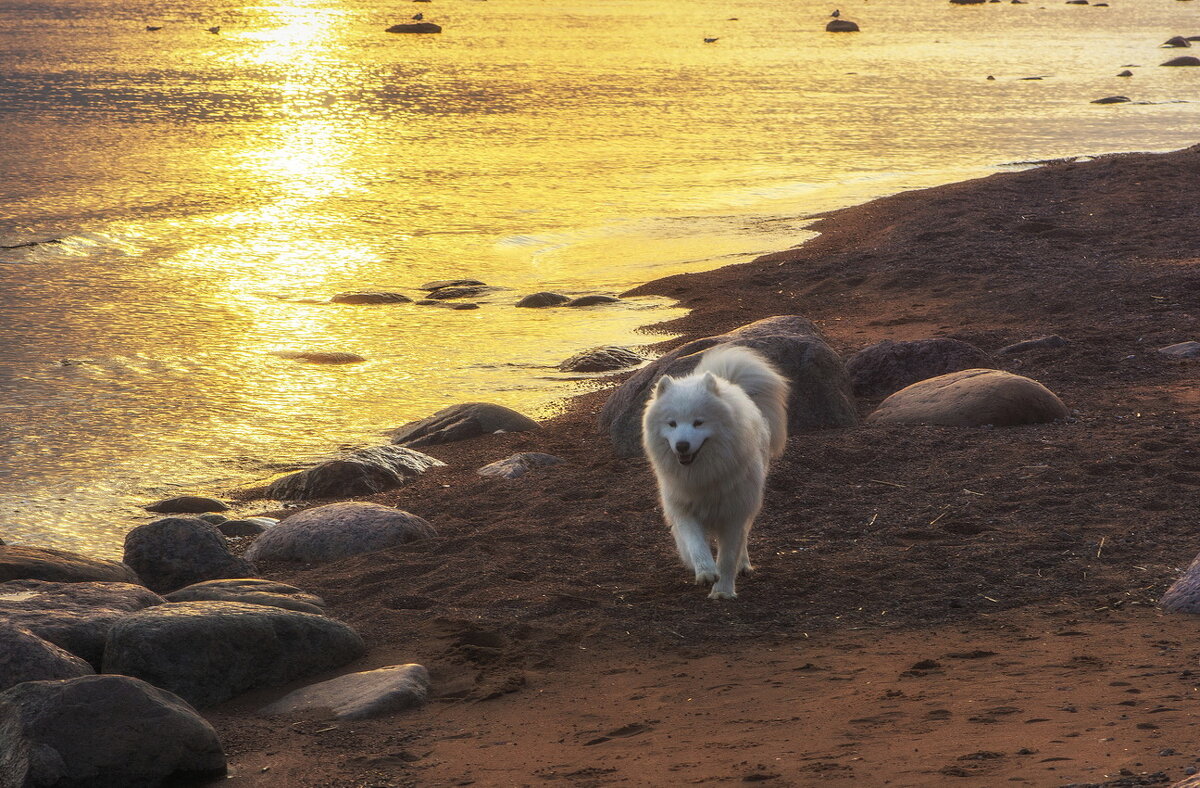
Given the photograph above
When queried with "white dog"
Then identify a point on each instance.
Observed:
(710, 437)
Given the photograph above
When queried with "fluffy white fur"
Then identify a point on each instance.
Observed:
(710, 437)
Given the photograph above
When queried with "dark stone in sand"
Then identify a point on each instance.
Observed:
(519, 464)
(447, 304)
(187, 504)
(177, 551)
(462, 422)
(1189, 349)
(26, 657)
(820, 389)
(1184, 60)
(209, 652)
(602, 359)
(321, 356)
(1112, 100)
(102, 732)
(73, 616)
(455, 291)
(338, 530)
(44, 563)
(440, 283)
(544, 298)
(889, 366)
(972, 398)
(1177, 41)
(359, 696)
(415, 27)
(593, 300)
(364, 472)
(841, 26)
(370, 298)
(252, 591)
(1049, 342)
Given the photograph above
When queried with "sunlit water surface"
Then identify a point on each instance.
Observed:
(213, 190)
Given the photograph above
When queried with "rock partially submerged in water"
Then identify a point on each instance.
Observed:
(187, 504)
(415, 27)
(44, 563)
(440, 283)
(103, 731)
(542, 299)
(457, 291)
(26, 657)
(448, 304)
(338, 530)
(821, 395)
(602, 359)
(1184, 60)
(359, 696)
(1112, 100)
(841, 26)
(593, 300)
(209, 652)
(321, 356)
(889, 366)
(462, 422)
(1176, 41)
(174, 552)
(972, 398)
(363, 472)
(370, 297)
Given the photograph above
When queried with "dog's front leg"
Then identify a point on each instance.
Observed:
(729, 553)
(693, 549)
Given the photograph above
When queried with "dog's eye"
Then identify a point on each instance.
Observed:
(697, 423)
(671, 424)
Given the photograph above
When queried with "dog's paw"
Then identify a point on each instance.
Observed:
(746, 570)
(715, 594)
(705, 577)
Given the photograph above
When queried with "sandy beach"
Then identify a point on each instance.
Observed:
(933, 605)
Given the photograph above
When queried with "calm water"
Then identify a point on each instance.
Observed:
(212, 190)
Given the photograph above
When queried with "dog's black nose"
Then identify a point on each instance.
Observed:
(682, 447)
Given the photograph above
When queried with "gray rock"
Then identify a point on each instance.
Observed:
(1189, 349)
(252, 591)
(1184, 594)
(73, 616)
(338, 530)
(841, 26)
(820, 389)
(1112, 100)
(462, 422)
(519, 464)
(215, 519)
(1125, 73)
(1185, 60)
(26, 657)
(602, 359)
(44, 563)
(972, 398)
(1177, 41)
(462, 291)
(209, 652)
(889, 366)
(177, 551)
(187, 504)
(440, 283)
(415, 27)
(1049, 342)
(593, 300)
(102, 732)
(363, 297)
(363, 472)
(542, 299)
(250, 526)
(359, 696)
(321, 356)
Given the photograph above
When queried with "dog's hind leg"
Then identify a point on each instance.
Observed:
(744, 565)
(693, 550)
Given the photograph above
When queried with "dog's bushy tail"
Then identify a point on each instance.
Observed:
(750, 371)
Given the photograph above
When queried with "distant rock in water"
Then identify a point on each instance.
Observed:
(370, 298)
(841, 26)
(593, 300)
(440, 283)
(320, 357)
(415, 27)
(1125, 73)
(543, 299)
(1176, 41)
(1184, 60)
(1077, 2)
(462, 422)
(967, 2)
(1112, 100)
(448, 304)
(458, 291)
(187, 504)
(602, 359)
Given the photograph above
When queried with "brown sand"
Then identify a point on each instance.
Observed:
(933, 606)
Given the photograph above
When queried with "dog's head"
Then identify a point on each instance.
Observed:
(684, 414)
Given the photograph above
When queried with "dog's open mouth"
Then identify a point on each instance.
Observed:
(687, 459)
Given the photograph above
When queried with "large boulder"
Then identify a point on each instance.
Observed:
(358, 696)
(519, 464)
(363, 472)
(187, 504)
(972, 398)
(102, 732)
(820, 389)
(338, 530)
(209, 652)
(26, 657)
(43, 563)
(462, 422)
(602, 359)
(177, 551)
(889, 366)
(252, 591)
(73, 616)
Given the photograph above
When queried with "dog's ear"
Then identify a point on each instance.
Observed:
(710, 382)
(664, 383)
